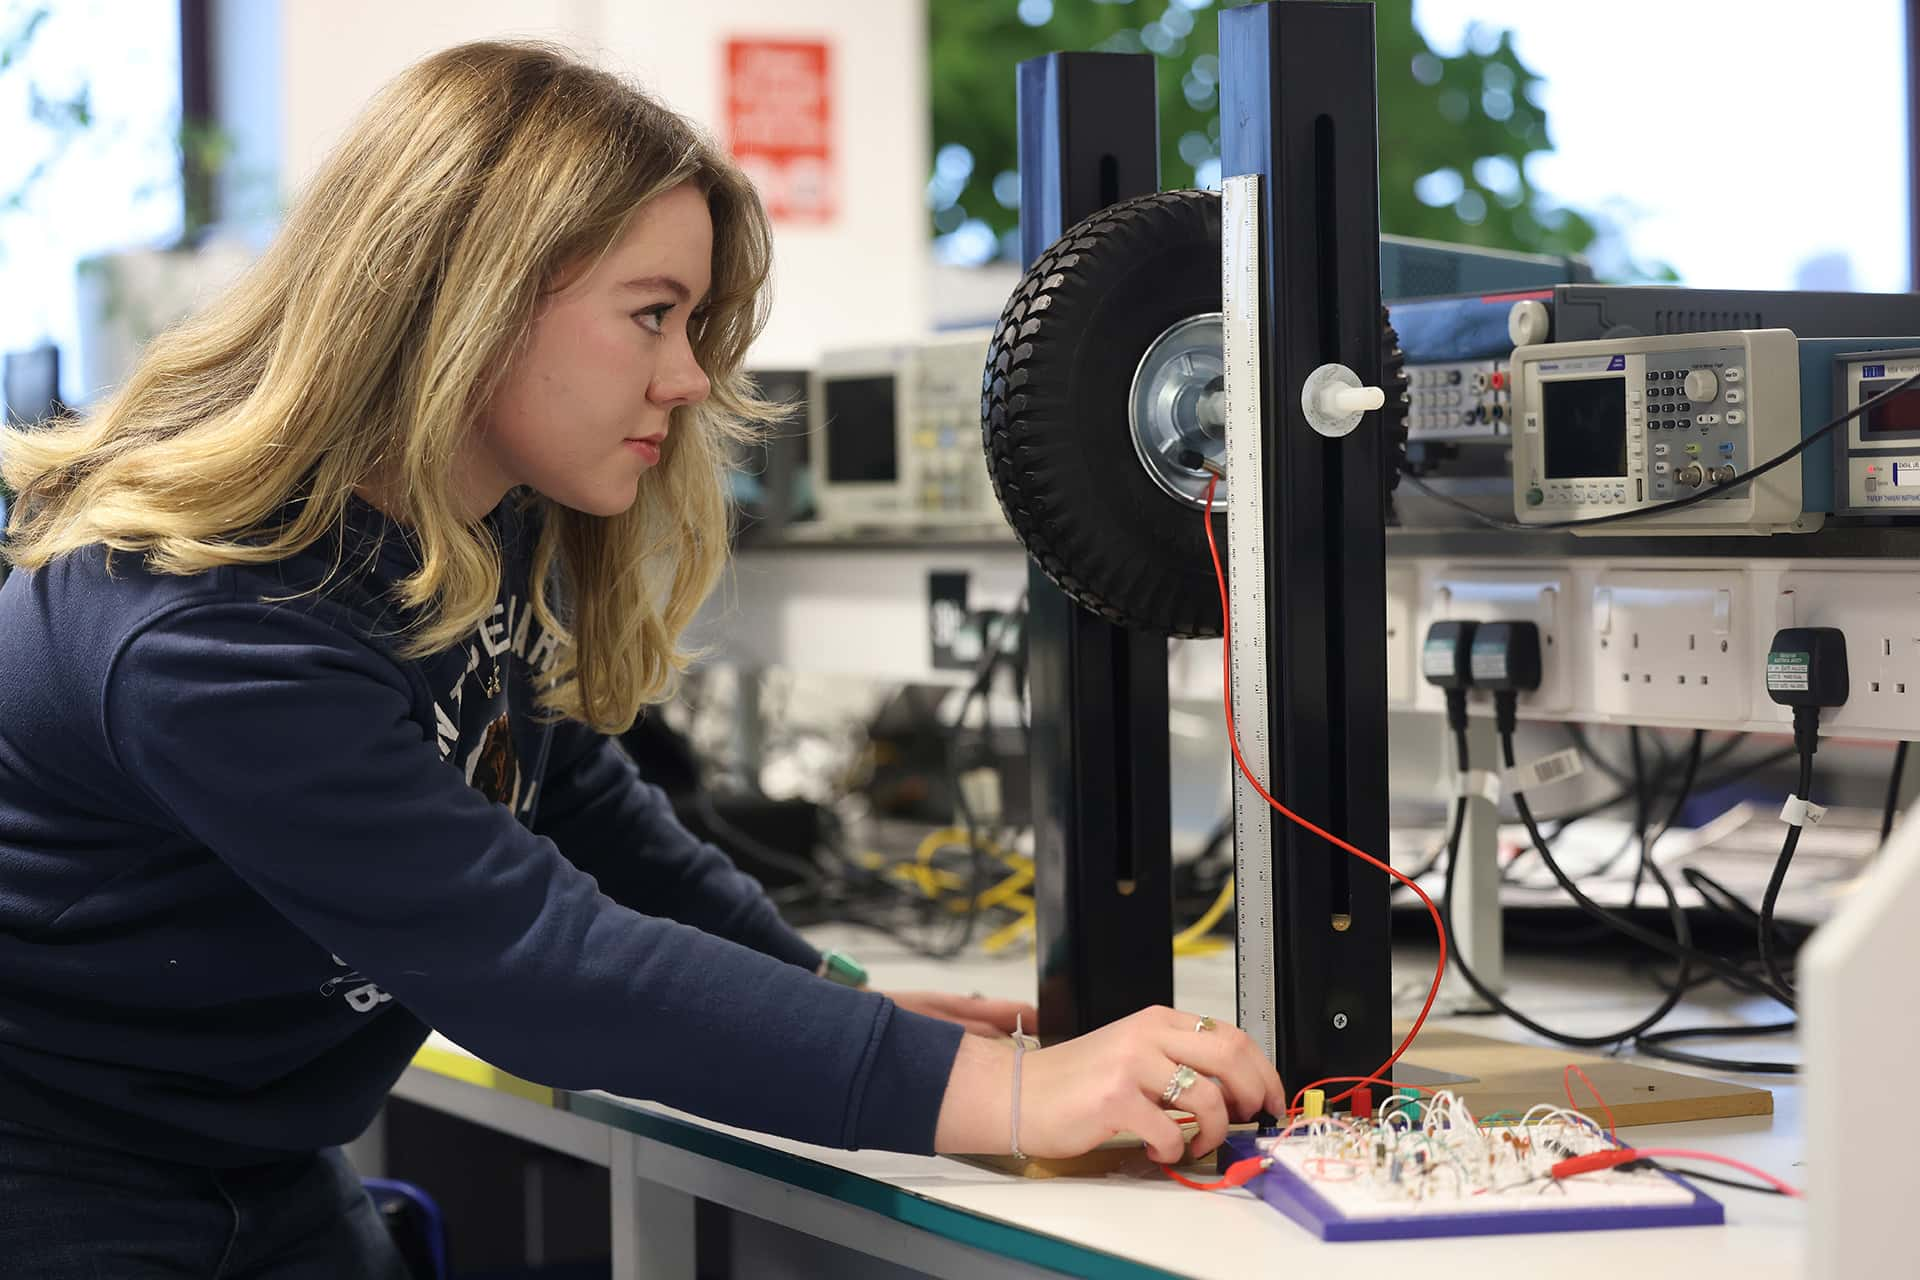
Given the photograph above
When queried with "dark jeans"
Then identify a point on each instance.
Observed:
(73, 1212)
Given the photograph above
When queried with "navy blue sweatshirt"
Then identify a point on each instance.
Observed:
(249, 854)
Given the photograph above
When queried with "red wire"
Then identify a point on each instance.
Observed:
(1674, 1153)
(1566, 1079)
(1246, 1169)
(1627, 1155)
(1239, 1173)
(1594, 1161)
(1295, 1108)
(1233, 739)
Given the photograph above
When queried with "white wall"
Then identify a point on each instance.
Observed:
(860, 278)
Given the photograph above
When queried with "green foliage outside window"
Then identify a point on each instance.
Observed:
(1455, 131)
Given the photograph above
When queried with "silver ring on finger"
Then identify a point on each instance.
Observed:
(1184, 1078)
(1206, 1023)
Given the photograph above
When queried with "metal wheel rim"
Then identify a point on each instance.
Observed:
(1176, 404)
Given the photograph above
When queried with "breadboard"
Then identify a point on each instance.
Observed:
(1337, 1211)
(1444, 1166)
(1491, 1076)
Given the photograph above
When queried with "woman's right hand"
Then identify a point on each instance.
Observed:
(1078, 1094)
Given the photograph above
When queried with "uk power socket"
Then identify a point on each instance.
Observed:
(1880, 615)
(1671, 647)
(1540, 596)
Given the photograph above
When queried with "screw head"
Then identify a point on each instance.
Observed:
(1339, 1022)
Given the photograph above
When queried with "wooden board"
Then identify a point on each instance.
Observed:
(1503, 1076)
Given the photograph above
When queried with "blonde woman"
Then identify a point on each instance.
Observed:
(317, 630)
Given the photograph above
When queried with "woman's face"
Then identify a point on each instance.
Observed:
(584, 407)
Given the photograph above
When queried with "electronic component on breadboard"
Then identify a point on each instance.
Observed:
(1426, 1167)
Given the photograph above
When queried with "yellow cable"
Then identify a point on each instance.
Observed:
(1007, 933)
(936, 840)
(1006, 889)
(1193, 939)
(934, 882)
(931, 881)
(923, 872)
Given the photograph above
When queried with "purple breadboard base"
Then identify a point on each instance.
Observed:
(1296, 1197)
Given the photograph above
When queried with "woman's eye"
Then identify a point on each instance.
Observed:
(653, 319)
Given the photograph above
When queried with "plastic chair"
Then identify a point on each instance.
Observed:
(414, 1222)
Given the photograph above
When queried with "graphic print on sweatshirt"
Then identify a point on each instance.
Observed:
(361, 996)
(485, 715)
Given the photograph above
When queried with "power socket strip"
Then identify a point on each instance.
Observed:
(1880, 616)
(1680, 641)
(1536, 594)
(1671, 644)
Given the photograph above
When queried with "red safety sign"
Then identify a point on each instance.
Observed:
(780, 124)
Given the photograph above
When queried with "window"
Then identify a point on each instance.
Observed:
(90, 108)
(1742, 151)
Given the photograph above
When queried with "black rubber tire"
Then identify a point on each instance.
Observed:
(1394, 381)
(1054, 412)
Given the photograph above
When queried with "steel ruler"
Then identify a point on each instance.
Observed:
(1253, 818)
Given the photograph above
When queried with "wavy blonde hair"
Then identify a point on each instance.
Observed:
(372, 333)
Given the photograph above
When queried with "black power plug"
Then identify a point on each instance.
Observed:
(1807, 670)
(1446, 661)
(1505, 660)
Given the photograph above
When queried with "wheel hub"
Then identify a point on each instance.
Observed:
(1178, 407)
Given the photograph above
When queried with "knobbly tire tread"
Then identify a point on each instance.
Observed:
(1053, 411)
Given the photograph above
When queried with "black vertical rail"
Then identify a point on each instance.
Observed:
(1913, 143)
(1297, 107)
(1089, 137)
(198, 188)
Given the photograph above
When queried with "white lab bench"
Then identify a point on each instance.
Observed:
(950, 1218)
(860, 608)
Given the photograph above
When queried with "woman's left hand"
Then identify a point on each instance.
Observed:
(979, 1015)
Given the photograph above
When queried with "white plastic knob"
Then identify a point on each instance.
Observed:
(1334, 399)
(1702, 386)
(1529, 322)
(1345, 400)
